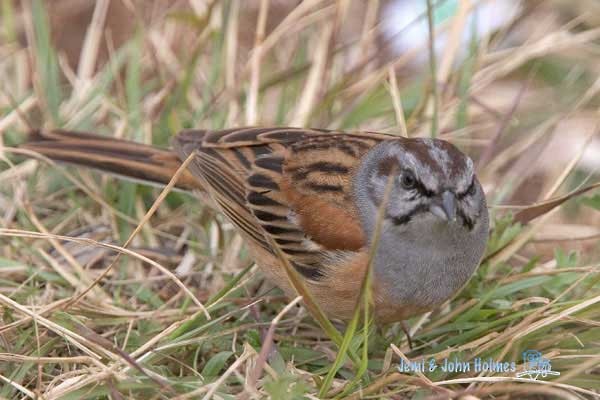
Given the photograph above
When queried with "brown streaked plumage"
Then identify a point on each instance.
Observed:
(120, 157)
(314, 192)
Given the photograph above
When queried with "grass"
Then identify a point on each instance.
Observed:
(93, 270)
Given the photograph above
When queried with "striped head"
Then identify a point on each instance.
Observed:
(427, 177)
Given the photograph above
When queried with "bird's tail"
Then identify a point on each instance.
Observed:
(124, 158)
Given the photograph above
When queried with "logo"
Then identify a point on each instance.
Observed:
(535, 366)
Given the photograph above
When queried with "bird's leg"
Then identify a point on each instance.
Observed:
(407, 333)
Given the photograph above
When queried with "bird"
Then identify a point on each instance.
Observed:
(313, 196)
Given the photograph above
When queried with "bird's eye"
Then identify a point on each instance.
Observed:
(408, 180)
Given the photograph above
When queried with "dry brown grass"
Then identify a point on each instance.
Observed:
(105, 286)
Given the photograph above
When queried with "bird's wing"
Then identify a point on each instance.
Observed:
(290, 186)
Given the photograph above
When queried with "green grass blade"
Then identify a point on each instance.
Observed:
(46, 61)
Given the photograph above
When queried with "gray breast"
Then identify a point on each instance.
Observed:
(425, 262)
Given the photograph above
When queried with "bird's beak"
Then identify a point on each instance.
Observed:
(445, 207)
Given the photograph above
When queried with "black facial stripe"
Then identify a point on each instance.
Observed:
(469, 191)
(419, 186)
(403, 219)
(414, 194)
(466, 221)
(423, 190)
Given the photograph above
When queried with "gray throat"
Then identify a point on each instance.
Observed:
(425, 261)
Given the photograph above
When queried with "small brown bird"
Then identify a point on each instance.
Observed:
(316, 194)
